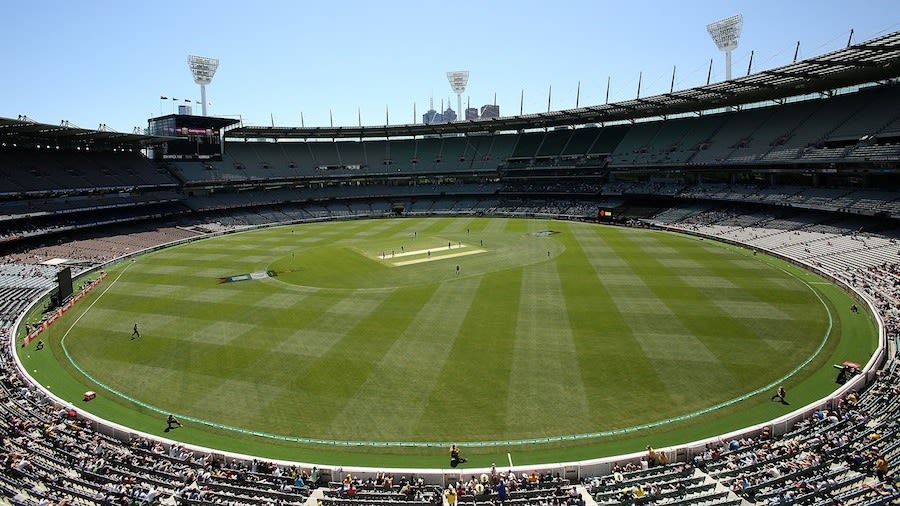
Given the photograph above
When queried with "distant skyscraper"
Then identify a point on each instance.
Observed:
(432, 116)
(490, 111)
(449, 115)
(471, 113)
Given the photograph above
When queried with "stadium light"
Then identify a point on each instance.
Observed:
(458, 80)
(203, 69)
(725, 33)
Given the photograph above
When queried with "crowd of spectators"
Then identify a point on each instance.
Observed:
(831, 455)
(564, 187)
(841, 454)
(568, 208)
(883, 283)
(380, 488)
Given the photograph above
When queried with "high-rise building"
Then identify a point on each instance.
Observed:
(449, 115)
(490, 111)
(432, 116)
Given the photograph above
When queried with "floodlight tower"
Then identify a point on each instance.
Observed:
(725, 33)
(203, 69)
(458, 81)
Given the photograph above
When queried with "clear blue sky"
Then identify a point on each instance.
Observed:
(107, 61)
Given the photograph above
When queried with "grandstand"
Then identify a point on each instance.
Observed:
(800, 162)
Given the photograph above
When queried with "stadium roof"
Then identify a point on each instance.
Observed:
(875, 60)
(193, 121)
(24, 131)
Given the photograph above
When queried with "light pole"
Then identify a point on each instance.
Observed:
(725, 33)
(203, 69)
(458, 81)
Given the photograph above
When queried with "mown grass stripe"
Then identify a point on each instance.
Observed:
(626, 345)
(680, 300)
(491, 226)
(587, 302)
(457, 226)
(393, 399)
(543, 359)
(470, 402)
(334, 378)
(301, 353)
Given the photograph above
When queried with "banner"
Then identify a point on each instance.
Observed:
(59, 312)
(248, 277)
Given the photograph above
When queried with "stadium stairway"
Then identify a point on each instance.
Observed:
(316, 497)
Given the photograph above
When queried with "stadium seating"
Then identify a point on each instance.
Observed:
(41, 171)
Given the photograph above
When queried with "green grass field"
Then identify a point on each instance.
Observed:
(373, 332)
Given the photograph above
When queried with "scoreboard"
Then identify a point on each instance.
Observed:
(190, 137)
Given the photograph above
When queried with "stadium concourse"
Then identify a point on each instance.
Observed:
(801, 162)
